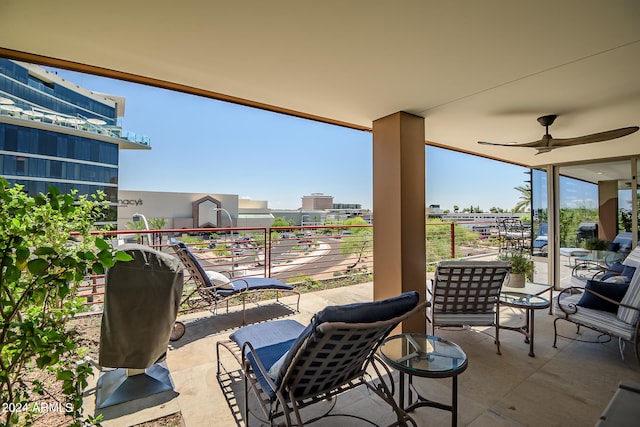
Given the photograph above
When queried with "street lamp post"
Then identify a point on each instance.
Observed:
(137, 217)
(228, 215)
(233, 256)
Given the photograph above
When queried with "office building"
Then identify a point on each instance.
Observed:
(56, 133)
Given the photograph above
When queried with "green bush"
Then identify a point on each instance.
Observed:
(40, 270)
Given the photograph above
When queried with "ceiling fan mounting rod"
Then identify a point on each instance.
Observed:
(548, 120)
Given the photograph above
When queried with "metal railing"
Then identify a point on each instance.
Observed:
(297, 255)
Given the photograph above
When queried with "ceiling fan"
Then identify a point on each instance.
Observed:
(548, 143)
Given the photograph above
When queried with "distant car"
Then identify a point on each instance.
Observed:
(246, 242)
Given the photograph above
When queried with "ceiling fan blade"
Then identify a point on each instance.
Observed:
(513, 144)
(594, 137)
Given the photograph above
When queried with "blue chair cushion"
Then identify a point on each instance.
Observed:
(255, 283)
(616, 267)
(270, 340)
(614, 291)
(368, 312)
(628, 271)
(613, 247)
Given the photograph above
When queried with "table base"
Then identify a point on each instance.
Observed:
(526, 329)
(424, 402)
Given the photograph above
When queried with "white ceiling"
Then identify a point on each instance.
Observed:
(476, 70)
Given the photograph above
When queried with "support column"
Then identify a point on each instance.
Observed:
(553, 225)
(399, 210)
(608, 210)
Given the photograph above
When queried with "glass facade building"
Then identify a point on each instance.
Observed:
(55, 133)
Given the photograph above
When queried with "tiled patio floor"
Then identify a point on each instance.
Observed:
(567, 386)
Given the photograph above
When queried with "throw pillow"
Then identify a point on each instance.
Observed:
(614, 291)
(617, 279)
(219, 280)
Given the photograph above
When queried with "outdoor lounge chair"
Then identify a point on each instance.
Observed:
(611, 307)
(213, 288)
(466, 293)
(289, 366)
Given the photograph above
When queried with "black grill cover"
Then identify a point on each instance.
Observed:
(142, 297)
(587, 230)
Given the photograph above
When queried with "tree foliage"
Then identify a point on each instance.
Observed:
(41, 266)
(524, 202)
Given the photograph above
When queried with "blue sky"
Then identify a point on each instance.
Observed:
(205, 146)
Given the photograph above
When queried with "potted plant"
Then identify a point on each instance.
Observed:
(595, 244)
(521, 268)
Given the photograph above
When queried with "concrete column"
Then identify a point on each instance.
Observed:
(608, 210)
(399, 209)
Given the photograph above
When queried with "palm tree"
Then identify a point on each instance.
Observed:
(157, 224)
(525, 198)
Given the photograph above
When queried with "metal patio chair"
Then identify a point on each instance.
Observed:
(610, 306)
(289, 366)
(466, 293)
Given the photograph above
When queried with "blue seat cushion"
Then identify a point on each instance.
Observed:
(614, 291)
(255, 283)
(616, 267)
(628, 271)
(613, 247)
(270, 340)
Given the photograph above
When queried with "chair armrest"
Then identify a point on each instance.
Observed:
(571, 306)
(246, 284)
(247, 349)
(429, 286)
(587, 265)
(574, 307)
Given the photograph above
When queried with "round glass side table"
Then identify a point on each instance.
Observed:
(424, 356)
(526, 302)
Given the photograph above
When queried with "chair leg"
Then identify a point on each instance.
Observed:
(621, 346)
(555, 332)
(246, 398)
(244, 311)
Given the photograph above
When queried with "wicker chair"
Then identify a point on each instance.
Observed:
(213, 288)
(289, 366)
(466, 293)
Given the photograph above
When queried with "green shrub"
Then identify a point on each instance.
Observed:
(41, 266)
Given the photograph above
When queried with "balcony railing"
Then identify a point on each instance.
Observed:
(22, 110)
(300, 255)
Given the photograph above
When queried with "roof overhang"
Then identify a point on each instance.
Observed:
(476, 71)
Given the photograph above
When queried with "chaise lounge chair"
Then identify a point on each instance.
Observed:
(213, 288)
(290, 366)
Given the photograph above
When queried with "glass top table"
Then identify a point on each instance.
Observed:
(517, 299)
(424, 356)
(529, 303)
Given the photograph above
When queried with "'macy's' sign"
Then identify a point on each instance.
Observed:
(129, 202)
